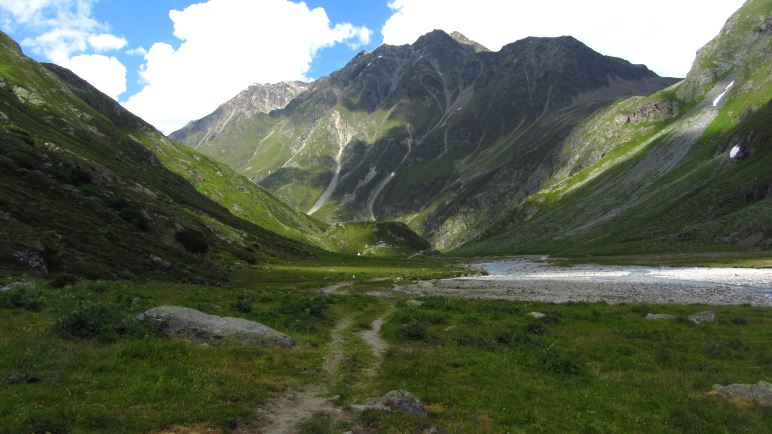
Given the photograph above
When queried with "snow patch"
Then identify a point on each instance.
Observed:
(718, 98)
(735, 151)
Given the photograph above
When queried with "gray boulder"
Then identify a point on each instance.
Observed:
(396, 400)
(193, 325)
(414, 303)
(658, 316)
(706, 317)
(537, 315)
(759, 393)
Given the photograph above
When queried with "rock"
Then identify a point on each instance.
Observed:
(653, 112)
(4, 118)
(759, 394)
(449, 329)
(19, 285)
(537, 315)
(160, 262)
(658, 316)
(414, 303)
(706, 317)
(32, 259)
(193, 325)
(397, 400)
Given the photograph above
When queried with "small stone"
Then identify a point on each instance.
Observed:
(537, 315)
(449, 329)
(396, 400)
(706, 317)
(414, 303)
(160, 262)
(658, 316)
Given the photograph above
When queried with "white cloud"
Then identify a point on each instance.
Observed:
(105, 73)
(663, 34)
(226, 46)
(62, 31)
(106, 42)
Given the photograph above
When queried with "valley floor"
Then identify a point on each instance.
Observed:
(68, 362)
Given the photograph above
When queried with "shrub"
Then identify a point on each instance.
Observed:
(241, 304)
(303, 306)
(192, 240)
(104, 321)
(62, 280)
(536, 328)
(22, 298)
(412, 331)
(556, 362)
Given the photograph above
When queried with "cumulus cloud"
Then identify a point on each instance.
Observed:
(226, 45)
(105, 73)
(106, 42)
(662, 34)
(62, 31)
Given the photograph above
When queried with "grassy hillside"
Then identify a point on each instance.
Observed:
(668, 184)
(90, 189)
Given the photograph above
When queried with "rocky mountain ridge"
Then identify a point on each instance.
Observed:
(429, 133)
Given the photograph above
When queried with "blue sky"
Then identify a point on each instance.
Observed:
(172, 61)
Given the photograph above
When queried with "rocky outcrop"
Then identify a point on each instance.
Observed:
(196, 326)
(658, 316)
(257, 98)
(746, 394)
(654, 112)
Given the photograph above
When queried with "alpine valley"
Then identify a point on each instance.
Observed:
(435, 238)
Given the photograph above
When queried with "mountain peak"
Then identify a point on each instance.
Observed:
(461, 39)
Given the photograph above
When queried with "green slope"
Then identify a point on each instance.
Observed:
(90, 189)
(668, 185)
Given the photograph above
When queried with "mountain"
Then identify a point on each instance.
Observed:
(257, 98)
(686, 169)
(90, 189)
(441, 134)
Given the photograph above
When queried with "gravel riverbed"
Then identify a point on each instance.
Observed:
(529, 280)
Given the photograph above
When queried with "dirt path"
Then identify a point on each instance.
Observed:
(288, 412)
(377, 344)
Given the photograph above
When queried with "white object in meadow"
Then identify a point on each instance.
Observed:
(718, 98)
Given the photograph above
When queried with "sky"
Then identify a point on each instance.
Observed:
(172, 61)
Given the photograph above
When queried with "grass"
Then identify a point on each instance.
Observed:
(480, 366)
(583, 368)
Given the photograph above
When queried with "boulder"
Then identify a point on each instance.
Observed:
(414, 303)
(193, 325)
(759, 394)
(658, 316)
(706, 317)
(396, 400)
(29, 286)
(537, 315)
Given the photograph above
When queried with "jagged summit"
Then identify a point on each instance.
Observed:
(460, 38)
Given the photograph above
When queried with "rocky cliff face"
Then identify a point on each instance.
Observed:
(440, 134)
(257, 98)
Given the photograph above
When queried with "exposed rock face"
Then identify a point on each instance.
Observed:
(193, 325)
(746, 394)
(438, 133)
(653, 112)
(396, 400)
(257, 98)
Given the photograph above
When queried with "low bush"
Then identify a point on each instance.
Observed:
(556, 362)
(101, 320)
(192, 240)
(22, 298)
(413, 331)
